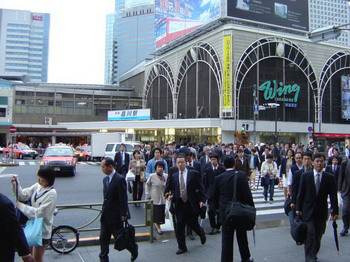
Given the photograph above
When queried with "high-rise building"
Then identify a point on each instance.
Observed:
(330, 12)
(24, 44)
(131, 35)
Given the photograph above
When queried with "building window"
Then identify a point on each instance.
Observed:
(2, 112)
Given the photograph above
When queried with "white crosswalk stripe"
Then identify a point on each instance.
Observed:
(32, 163)
(21, 163)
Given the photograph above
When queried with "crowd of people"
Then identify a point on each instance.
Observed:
(187, 180)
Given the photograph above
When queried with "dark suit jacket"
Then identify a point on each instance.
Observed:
(244, 167)
(197, 166)
(12, 236)
(284, 164)
(223, 190)
(209, 179)
(195, 189)
(118, 161)
(312, 205)
(203, 162)
(329, 162)
(147, 156)
(295, 184)
(330, 170)
(115, 203)
(256, 161)
(344, 178)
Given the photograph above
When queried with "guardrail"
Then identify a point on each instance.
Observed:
(148, 215)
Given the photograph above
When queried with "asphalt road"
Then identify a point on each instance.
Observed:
(84, 188)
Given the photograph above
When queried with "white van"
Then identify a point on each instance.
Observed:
(114, 147)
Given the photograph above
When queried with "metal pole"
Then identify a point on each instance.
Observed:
(276, 125)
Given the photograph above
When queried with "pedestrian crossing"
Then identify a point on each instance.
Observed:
(37, 163)
(265, 208)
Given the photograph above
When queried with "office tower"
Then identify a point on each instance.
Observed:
(24, 44)
(330, 12)
(130, 37)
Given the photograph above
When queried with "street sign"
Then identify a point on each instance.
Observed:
(12, 129)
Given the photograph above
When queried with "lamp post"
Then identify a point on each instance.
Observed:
(274, 105)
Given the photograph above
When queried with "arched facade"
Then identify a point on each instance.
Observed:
(199, 82)
(271, 63)
(330, 97)
(158, 93)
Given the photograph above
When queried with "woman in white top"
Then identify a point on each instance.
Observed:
(269, 172)
(43, 204)
(155, 187)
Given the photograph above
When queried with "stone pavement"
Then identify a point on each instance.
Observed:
(272, 245)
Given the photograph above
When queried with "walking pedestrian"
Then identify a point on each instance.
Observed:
(344, 189)
(43, 197)
(114, 209)
(312, 205)
(269, 174)
(137, 166)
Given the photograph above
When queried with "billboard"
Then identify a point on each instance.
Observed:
(287, 13)
(227, 82)
(345, 97)
(175, 18)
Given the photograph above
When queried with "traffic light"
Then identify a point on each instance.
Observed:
(243, 127)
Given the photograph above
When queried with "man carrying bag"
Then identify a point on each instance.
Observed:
(223, 197)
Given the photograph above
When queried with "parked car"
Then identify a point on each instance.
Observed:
(20, 151)
(61, 158)
(85, 152)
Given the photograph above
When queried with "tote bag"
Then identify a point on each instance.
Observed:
(33, 231)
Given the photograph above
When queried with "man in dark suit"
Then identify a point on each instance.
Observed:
(185, 189)
(205, 159)
(114, 210)
(223, 194)
(312, 206)
(210, 173)
(12, 236)
(242, 163)
(122, 160)
(193, 163)
(334, 169)
(344, 188)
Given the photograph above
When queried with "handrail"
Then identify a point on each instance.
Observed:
(148, 219)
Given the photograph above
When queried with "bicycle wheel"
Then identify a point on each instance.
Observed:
(64, 239)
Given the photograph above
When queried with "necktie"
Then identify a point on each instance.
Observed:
(334, 169)
(318, 183)
(123, 158)
(183, 192)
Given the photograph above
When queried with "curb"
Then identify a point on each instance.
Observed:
(8, 164)
(143, 237)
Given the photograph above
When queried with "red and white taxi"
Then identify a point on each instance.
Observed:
(61, 158)
(20, 151)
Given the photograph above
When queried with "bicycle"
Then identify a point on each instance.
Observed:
(64, 238)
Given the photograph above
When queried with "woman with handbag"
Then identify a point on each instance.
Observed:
(155, 188)
(137, 166)
(286, 164)
(269, 172)
(43, 198)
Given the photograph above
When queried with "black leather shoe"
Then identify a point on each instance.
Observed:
(181, 251)
(135, 254)
(344, 233)
(191, 236)
(203, 239)
(248, 260)
(211, 231)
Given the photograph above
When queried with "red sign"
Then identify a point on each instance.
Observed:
(12, 129)
(37, 17)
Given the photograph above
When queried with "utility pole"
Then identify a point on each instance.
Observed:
(255, 109)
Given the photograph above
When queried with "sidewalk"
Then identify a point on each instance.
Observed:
(272, 245)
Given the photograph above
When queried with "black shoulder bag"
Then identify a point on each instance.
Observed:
(239, 215)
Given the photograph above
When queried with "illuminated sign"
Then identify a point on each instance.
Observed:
(345, 96)
(280, 92)
(132, 114)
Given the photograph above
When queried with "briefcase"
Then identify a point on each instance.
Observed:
(125, 237)
(298, 230)
(287, 207)
(239, 215)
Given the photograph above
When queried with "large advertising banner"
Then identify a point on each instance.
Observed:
(345, 97)
(227, 81)
(175, 18)
(287, 13)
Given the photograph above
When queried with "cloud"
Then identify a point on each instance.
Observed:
(205, 2)
(205, 17)
(211, 2)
